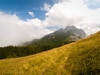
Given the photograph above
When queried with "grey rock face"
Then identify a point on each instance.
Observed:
(69, 28)
(72, 29)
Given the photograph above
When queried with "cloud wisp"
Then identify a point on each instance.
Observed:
(31, 14)
(46, 7)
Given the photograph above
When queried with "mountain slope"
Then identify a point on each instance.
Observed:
(56, 61)
(58, 38)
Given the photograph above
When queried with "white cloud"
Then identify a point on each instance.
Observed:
(13, 30)
(73, 12)
(46, 7)
(31, 14)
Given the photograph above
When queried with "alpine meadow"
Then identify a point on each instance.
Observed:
(78, 58)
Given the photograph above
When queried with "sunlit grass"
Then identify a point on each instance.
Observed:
(46, 63)
(52, 62)
(84, 59)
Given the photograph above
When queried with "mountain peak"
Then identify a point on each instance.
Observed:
(69, 28)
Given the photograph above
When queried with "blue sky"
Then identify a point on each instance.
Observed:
(22, 7)
(25, 20)
(93, 4)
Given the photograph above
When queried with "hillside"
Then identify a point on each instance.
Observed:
(59, 37)
(78, 58)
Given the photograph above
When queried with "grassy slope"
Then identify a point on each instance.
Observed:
(85, 57)
(45, 63)
(51, 62)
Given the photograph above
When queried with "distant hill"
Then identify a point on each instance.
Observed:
(78, 58)
(59, 37)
